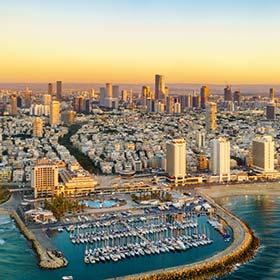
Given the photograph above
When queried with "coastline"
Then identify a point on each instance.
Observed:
(242, 249)
(46, 258)
(244, 242)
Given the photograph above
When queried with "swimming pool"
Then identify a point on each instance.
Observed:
(99, 204)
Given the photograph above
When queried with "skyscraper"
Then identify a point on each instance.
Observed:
(147, 93)
(237, 96)
(170, 104)
(13, 101)
(70, 117)
(211, 116)
(109, 90)
(204, 96)
(176, 161)
(220, 158)
(272, 94)
(59, 90)
(19, 102)
(196, 101)
(116, 91)
(38, 127)
(159, 87)
(263, 154)
(50, 89)
(228, 93)
(79, 104)
(55, 113)
(270, 111)
(27, 98)
(102, 96)
(177, 107)
(47, 99)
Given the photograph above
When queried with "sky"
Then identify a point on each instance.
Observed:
(129, 41)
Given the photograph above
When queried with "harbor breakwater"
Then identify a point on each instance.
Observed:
(48, 259)
(242, 249)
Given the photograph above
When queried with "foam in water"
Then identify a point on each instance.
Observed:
(4, 220)
(2, 241)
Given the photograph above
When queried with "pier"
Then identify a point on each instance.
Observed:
(136, 232)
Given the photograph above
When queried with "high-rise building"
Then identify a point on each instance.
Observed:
(59, 90)
(237, 96)
(146, 92)
(19, 102)
(159, 87)
(70, 117)
(211, 116)
(27, 98)
(177, 107)
(87, 105)
(200, 139)
(44, 178)
(38, 127)
(116, 91)
(50, 89)
(228, 93)
(270, 111)
(79, 104)
(204, 96)
(13, 101)
(272, 94)
(124, 96)
(220, 158)
(196, 101)
(102, 96)
(109, 90)
(176, 161)
(55, 113)
(47, 99)
(159, 106)
(189, 100)
(263, 154)
(170, 104)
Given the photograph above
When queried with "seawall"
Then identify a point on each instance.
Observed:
(47, 258)
(241, 250)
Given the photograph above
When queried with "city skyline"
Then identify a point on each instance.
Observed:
(187, 41)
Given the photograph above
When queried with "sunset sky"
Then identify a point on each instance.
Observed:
(198, 41)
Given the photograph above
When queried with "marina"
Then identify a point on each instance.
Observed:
(137, 236)
(128, 232)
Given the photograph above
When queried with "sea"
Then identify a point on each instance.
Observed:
(262, 213)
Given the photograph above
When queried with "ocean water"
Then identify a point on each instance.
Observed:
(262, 213)
(17, 260)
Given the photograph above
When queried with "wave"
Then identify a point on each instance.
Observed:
(4, 220)
(2, 242)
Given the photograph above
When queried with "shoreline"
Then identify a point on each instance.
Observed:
(46, 258)
(242, 249)
(245, 245)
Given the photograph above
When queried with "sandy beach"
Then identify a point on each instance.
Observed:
(270, 189)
